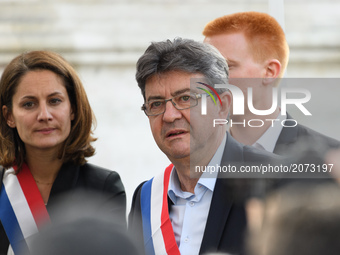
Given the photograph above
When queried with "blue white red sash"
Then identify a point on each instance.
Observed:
(22, 209)
(159, 237)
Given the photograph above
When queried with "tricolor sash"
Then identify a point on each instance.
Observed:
(22, 209)
(159, 237)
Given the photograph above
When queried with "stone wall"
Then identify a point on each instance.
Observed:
(116, 32)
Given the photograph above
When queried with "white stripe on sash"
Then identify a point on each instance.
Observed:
(19, 204)
(10, 251)
(157, 190)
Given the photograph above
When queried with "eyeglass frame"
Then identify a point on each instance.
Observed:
(197, 96)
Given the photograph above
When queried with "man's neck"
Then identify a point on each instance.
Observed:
(185, 167)
(186, 179)
(247, 134)
(187, 183)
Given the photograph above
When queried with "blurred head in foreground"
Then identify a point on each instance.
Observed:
(83, 229)
(299, 219)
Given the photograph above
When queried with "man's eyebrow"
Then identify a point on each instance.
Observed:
(154, 98)
(176, 93)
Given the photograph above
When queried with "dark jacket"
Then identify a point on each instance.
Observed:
(226, 222)
(294, 139)
(87, 178)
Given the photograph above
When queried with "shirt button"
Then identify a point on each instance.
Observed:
(186, 239)
(192, 204)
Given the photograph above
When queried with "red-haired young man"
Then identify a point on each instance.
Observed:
(257, 53)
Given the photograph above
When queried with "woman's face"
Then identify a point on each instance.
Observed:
(41, 111)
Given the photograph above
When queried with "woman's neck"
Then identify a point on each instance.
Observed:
(44, 169)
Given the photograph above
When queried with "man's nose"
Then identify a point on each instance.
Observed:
(171, 112)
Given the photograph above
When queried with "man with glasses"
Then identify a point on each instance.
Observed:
(187, 209)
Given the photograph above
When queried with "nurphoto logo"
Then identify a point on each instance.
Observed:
(204, 97)
(282, 95)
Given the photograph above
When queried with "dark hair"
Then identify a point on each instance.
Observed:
(78, 144)
(181, 55)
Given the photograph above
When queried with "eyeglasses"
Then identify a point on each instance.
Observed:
(180, 102)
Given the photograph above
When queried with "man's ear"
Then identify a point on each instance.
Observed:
(226, 102)
(273, 68)
(8, 116)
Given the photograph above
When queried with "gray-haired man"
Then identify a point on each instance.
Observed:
(180, 211)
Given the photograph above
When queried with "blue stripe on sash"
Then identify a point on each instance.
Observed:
(146, 217)
(10, 224)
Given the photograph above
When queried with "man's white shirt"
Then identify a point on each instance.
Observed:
(189, 212)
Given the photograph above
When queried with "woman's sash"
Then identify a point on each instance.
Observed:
(22, 209)
(159, 237)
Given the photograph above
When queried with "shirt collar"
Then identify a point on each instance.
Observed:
(268, 140)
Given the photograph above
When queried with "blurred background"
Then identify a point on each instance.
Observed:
(103, 39)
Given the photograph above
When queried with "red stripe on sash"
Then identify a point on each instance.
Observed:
(33, 196)
(166, 227)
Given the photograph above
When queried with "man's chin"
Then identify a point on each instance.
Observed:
(178, 154)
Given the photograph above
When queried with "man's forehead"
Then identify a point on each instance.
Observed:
(170, 82)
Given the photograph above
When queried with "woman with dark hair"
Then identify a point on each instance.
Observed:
(45, 138)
